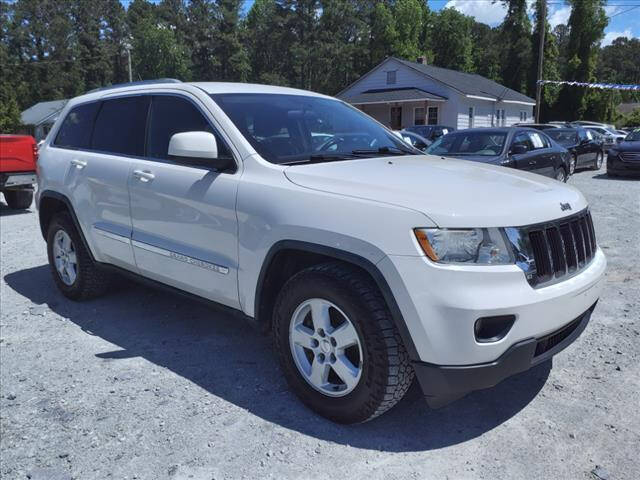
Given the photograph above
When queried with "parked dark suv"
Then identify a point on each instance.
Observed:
(520, 148)
(624, 158)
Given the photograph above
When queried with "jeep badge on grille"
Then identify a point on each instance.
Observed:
(565, 206)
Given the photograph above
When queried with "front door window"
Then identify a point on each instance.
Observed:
(396, 118)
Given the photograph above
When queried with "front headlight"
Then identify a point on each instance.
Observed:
(480, 246)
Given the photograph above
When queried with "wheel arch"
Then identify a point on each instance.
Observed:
(52, 202)
(288, 257)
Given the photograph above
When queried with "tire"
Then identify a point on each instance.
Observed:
(597, 163)
(18, 199)
(385, 370)
(573, 163)
(90, 280)
(561, 175)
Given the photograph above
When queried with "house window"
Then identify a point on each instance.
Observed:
(418, 116)
(471, 115)
(432, 118)
(523, 116)
(391, 77)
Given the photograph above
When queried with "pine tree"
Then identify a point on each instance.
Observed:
(550, 69)
(230, 48)
(516, 36)
(452, 41)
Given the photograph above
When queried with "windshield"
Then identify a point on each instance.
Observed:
(421, 130)
(563, 137)
(469, 143)
(633, 136)
(287, 129)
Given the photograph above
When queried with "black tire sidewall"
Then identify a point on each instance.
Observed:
(352, 407)
(64, 222)
(18, 199)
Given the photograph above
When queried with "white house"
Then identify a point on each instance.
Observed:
(400, 93)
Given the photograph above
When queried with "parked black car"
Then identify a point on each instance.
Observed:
(538, 126)
(417, 141)
(585, 146)
(520, 148)
(430, 132)
(624, 158)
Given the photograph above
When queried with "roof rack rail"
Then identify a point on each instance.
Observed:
(133, 84)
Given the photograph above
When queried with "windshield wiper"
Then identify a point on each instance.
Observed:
(384, 151)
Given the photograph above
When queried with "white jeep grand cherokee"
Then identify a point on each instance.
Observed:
(369, 262)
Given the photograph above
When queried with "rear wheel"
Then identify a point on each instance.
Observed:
(338, 345)
(572, 164)
(18, 199)
(76, 274)
(561, 175)
(597, 164)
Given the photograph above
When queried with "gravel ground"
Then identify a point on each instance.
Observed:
(142, 384)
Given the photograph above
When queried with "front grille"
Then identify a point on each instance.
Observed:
(630, 156)
(561, 248)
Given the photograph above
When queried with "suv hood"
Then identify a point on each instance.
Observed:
(452, 193)
(628, 146)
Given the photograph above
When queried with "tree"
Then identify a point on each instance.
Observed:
(452, 40)
(587, 23)
(230, 50)
(266, 40)
(383, 33)
(550, 69)
(516, 38)
(408, 16)
(201, 14)
(485, 56)
(158, 54)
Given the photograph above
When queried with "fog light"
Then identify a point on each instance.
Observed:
(492, 329)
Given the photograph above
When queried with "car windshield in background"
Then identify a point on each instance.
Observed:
(469, 143)
(563, 137)
(289, 129)
(633, 136)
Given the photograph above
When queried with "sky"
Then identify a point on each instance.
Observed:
(624, 15)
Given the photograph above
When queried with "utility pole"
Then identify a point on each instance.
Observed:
(128, 47)
(542, 24)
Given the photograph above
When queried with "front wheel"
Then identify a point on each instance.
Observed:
(18, 199)
(337, 343)
(597, 164)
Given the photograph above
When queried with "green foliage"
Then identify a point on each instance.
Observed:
(632, 119)
(52, 49)
(9, 111)
(516, 45)
(452, 40)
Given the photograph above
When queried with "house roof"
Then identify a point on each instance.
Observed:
(40, 112)
(392, 95)
(469, 83)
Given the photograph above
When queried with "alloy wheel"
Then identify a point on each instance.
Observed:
(64, 254)
(572, 165)
(560, 176)
(326, 347)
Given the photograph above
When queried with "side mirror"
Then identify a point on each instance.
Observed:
(197, 148)
(619, 139)
(518, 149)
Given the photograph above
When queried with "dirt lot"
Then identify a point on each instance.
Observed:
(142, 384)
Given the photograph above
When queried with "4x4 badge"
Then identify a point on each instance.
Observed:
(565, 206)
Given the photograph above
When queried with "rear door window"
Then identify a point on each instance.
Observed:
(75, 131)
(171, 115)
(120, 126)
(523, 139)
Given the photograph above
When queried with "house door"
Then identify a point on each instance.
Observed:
(396, 118)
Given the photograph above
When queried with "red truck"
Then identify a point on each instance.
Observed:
(18, 157)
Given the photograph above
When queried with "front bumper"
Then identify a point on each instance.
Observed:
(616, 166)
(443, 384)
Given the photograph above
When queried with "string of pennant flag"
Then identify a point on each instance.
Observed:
(609, 86)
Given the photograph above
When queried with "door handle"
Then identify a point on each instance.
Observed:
(79, 164)
(143, 175)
